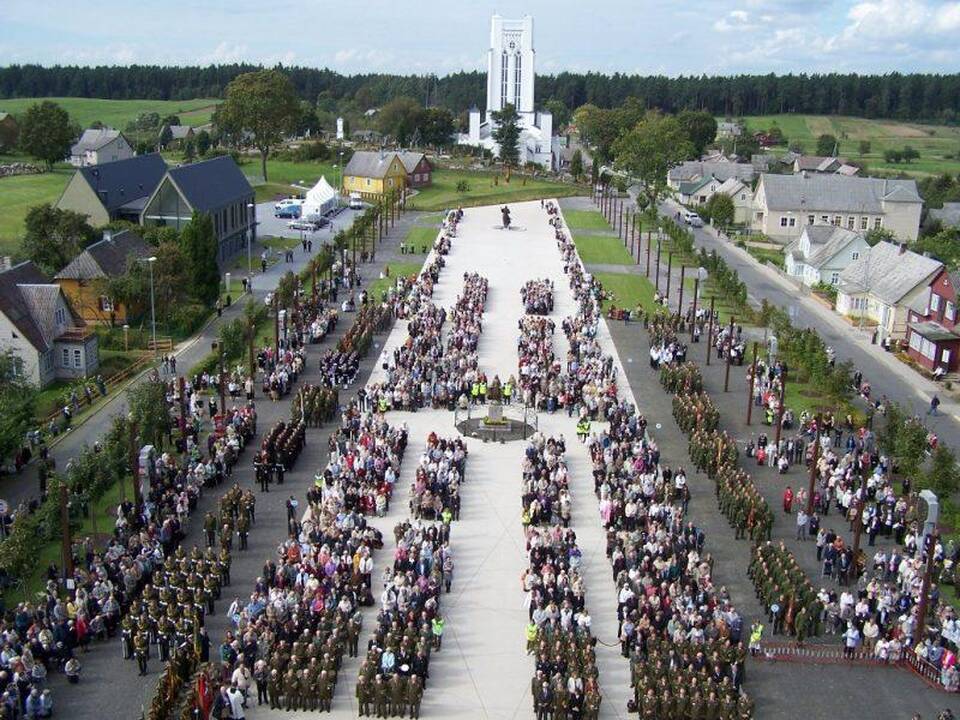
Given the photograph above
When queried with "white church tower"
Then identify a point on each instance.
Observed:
(510, 81)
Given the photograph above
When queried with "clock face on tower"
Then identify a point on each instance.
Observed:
(513, 45)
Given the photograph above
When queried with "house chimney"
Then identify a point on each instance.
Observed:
(108, 234)
(903, 248)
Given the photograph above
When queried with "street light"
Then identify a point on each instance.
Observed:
(153, 313)
(251, 208)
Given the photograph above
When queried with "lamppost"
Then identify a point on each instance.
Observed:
(251, 210)
(153, 313)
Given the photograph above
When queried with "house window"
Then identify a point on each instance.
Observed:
(837, 220)
(368, 182)
(928, 349)
(61, 316)
(824, 219)
(945, 357)
(877, 223)
(950, 312)
(504, 78)
(793, 222)
(743, 196)
(855, 256)
(811, 219)
(390, 182)
(783, 222)
(77, 359)
(864, 222)
(934, 303)
(65, 358)
(106, 305)
(851, 222)
(834, 278)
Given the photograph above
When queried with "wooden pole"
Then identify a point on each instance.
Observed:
(620, 221)
(67, 542)
(753, 379)
(633, 235)
(931, 543)
(135, 472)
(683, 270)
(649, 244)
(658, 266)
(669, 272)
(253, 334)
(813, 466)
(222, 384)
(726, 372)
(783, 401)
(858, 519)
(183, 413)
(276, 328)
(710, 331)
(693, 314)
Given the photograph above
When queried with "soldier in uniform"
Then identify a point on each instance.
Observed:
(273, 689)
(210, 528)
(141, 648)
(363, 695)
(291, 689)
(398, 694)
(414, 695)
(243, 529)
(380, 696)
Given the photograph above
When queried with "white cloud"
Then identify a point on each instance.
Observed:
(225, 53)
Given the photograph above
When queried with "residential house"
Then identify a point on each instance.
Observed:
(822, 253)
(419, 168)
(729, 129)
(784, 204)
(214, 187)
(693, 170)
(742, 197)
(828, 165)
(113, 191)
(883, 285)
(100, 145)
(697, 192)
(932, 333)
(948, 215)
(178, 134)
(40, 327)
(374, 174)
(85, 280)
(9, 131)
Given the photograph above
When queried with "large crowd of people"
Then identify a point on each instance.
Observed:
(537, 296)
(435, 491)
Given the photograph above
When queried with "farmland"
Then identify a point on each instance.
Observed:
(938, 145)
(117, 113)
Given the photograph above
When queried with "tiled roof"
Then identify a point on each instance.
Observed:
(887, 272)
(94, 139)
(825, 242)
(212, 184)
(720, 170)
(121, 182)
(813, 192)
(29, 301)
(109, 257)
(410, 160)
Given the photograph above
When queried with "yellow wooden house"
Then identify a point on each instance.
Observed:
(374, 174)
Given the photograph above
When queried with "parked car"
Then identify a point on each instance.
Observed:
(287, 211)
(356, 202)
(303, 224)
(287, 201)
(692, 219)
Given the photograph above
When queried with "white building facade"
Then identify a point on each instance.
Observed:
(510, 81)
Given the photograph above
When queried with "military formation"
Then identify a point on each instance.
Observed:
(171, 610)
(314, 405)
(695, 410)
(791, 601)
(236, 514)
(680, 378)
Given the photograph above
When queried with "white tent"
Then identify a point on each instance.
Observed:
(321, 199)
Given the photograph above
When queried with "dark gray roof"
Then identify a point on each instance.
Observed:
(933, 331)
(179, 132)
(411, 159)
(825, 242)
(720, 170)
(211, 184)
(109, 257)
(887, 272)
(816, 191)
(94, 139)
(28, 299)
(366, 163)
(121, 182)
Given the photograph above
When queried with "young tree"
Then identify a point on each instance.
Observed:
(199, 243)
(864, 147)
(647, 152)
(721, 210)
(203, 142)
(166, 135)
(264, 104)
(560, 112)
(436, 127)
(148, 409)
(910, 153)
(171, 119)
(54, 237)
(892, 156)
(400, 118)
(943, 476)
(507, 135)
(189, 150)
(17, 401)
(576, 164)
(701, 128)
(46, 133)
(827, 145)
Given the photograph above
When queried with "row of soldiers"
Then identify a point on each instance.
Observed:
(690, 681)
(786, 592)
(172, 607)
(315, 405)
(563, 655)
(680, 378)
(695, 410)
(383, 697)
(237, 512)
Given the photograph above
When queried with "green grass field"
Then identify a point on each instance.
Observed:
(19, 194)
(117, 113)
(933, 142)
(418, 237)
(628, 289)
(376, 288)
(602, 250)
(585, 220)
(442, 194)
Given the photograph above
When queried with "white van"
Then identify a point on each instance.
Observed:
(356, 201)
(692, 219)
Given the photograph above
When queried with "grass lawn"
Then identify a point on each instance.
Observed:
(430, 219)
(117, 113)
(602, 250)
(628, 289)
(420, 236)
(287, 172)
(376, 288)
(482, 190)
(933, 142)
(764, 255)
(19, 194)
(585, 220)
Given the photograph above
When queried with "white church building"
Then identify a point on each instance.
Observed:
(510, 75)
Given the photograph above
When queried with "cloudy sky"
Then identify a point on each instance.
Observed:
(419, 36)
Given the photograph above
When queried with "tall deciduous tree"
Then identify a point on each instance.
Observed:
(54, 236)
(701, 128)
(576, 164)
(436, 127)
(148, 409)
(46, 133)
(17, 400)
(827, 145)
(400, 118)
(507, 134)
(265, 105)
(650, 149)
(199, 243)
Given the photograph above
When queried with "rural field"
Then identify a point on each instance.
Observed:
(117, 113)
(938, 145)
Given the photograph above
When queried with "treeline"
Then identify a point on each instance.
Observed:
(897, 96)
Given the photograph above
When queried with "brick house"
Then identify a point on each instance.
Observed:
(932, 335)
